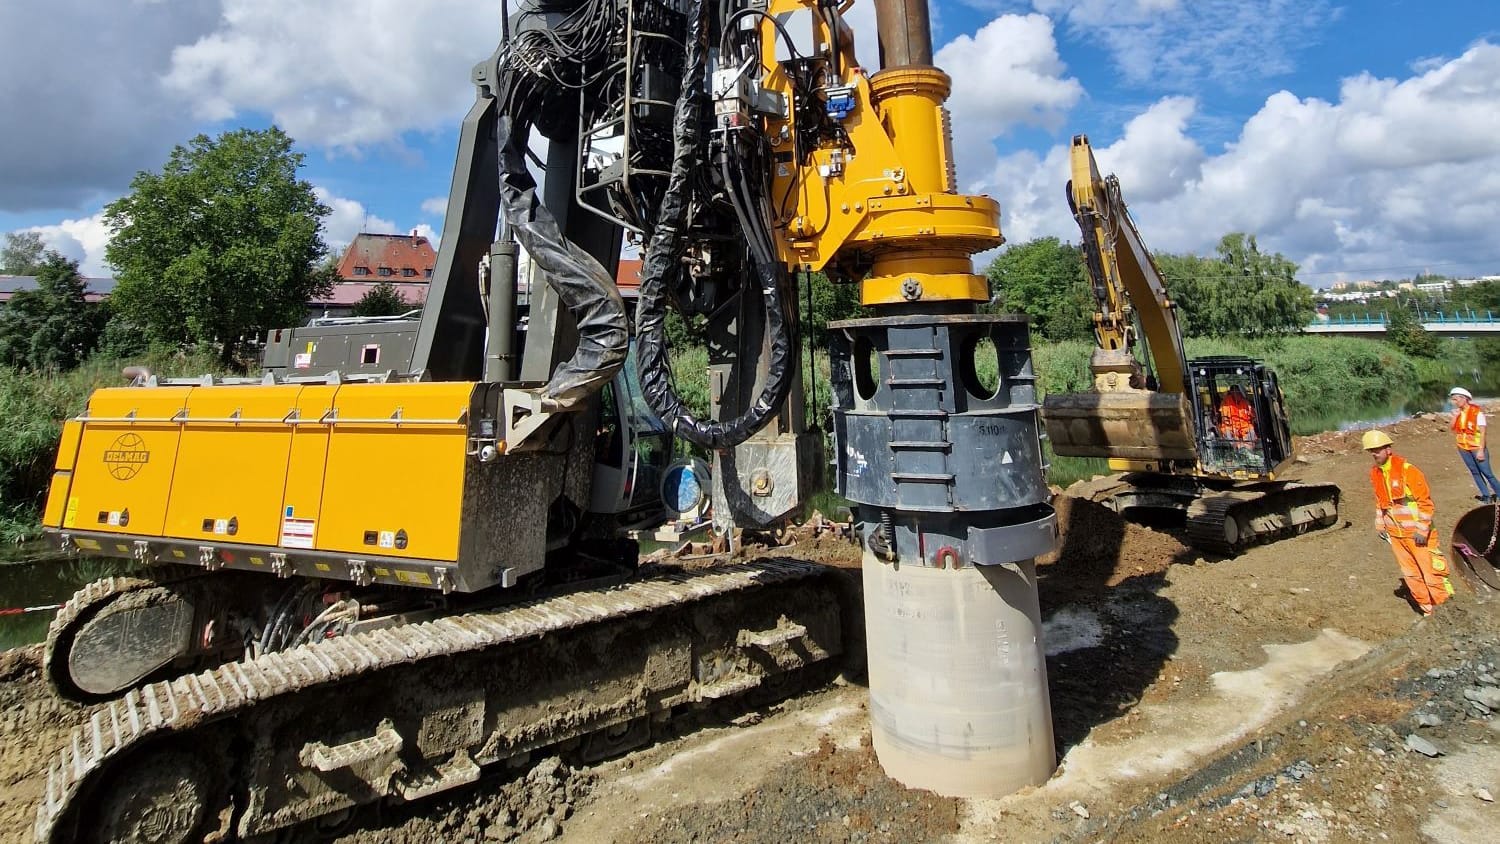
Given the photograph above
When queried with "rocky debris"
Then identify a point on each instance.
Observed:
(835, 794)
(1487, 698)
(1417, 744)
(1347, 442)
(529, 807)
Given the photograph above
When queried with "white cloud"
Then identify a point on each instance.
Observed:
(348, 219)
(79, 89)
(437, 206)
(1177, 45)
(1155, 160)
(83, 240)
(336, 76)
(104, 88)
(1006, 75)
(423, 230)
(1394, 177)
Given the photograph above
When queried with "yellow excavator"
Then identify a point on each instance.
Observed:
(398, 557)
(1202, 440)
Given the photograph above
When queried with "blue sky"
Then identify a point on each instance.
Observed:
(1361, 139)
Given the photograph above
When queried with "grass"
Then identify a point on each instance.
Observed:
(33, 406)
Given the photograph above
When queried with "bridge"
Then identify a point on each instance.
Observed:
(1457, 324)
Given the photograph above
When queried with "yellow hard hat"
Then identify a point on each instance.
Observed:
(1374, 439)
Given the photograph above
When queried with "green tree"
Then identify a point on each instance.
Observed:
(382, 300)
(1045, 279)
(1405, 332)
(53, 326)
(1189, 280)
(1243, 291)
(22, 253)
(1261, 293)
(830, 302)
(1484, 296)
(222, 244)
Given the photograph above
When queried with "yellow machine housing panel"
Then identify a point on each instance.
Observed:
(303, 496)
(232, 464)
(122, 477)
(394, 484)
(57, 513)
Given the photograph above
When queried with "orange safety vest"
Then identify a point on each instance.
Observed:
(1239, 420)
(1466, 428)
(1403, 504)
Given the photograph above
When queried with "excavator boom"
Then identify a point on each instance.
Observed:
(1137, 416)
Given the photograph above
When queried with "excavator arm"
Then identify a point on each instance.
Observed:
(1139, 414)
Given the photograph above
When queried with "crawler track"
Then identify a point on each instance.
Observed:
(1228, 522)
(409, 711)
(83, 607)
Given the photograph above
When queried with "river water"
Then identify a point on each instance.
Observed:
(38, 577)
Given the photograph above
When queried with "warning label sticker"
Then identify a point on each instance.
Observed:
(298, 533)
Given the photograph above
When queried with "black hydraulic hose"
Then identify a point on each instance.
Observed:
(660, 266)
(581, 282)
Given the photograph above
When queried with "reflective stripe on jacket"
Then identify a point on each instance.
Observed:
(1466, 428)
(1403, 503)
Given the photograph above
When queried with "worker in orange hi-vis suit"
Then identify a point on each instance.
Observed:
(1237, 419)
(1469, 426)
(1403, 518)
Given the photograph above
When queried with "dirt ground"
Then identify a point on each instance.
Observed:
(1287, 694)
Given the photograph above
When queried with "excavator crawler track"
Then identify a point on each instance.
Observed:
(1226, 523)
(405, 712)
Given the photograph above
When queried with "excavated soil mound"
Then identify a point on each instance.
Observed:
(1098, 550)
(833, 795)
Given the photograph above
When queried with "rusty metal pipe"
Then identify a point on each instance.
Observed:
(905, 33)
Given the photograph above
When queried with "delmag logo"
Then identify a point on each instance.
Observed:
(126, 456)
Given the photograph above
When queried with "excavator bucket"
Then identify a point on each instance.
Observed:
(1130, 425)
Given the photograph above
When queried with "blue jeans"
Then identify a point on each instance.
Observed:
(1481, 471)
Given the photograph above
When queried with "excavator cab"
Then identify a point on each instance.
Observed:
(1241, 425)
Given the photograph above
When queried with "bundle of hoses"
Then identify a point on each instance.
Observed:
(581, 282)
(661, 264)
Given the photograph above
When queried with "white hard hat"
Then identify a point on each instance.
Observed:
(1460, 391)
